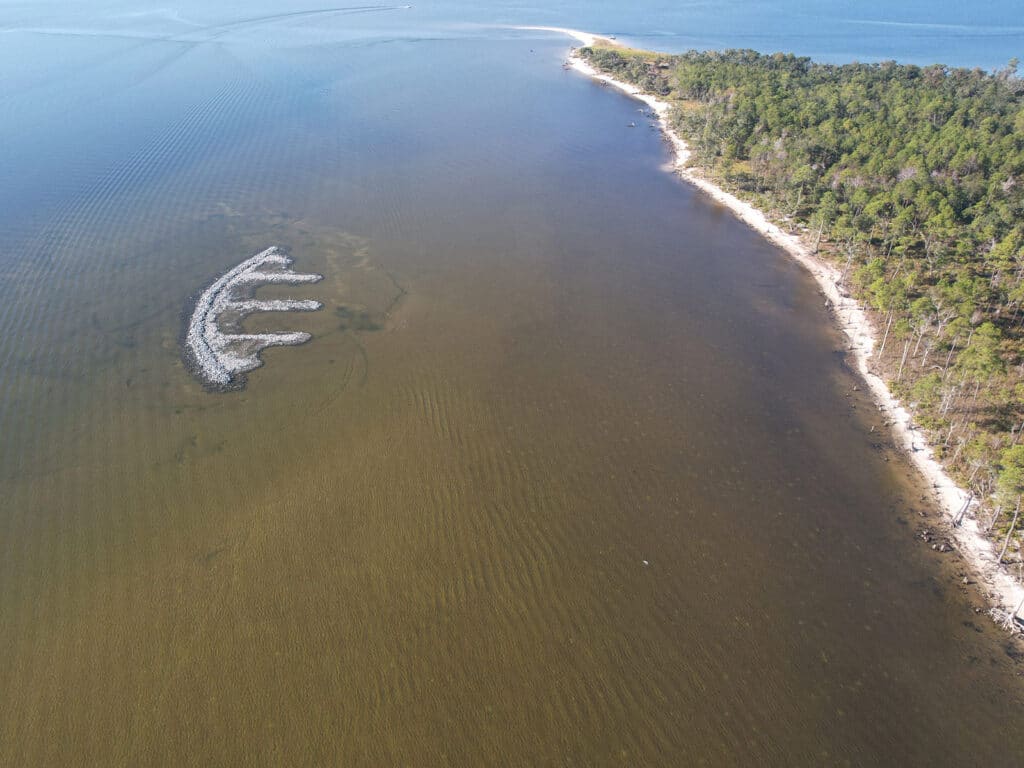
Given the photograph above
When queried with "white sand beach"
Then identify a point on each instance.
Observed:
(1001, 588)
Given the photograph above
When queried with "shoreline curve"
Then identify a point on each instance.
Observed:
(1004, 594)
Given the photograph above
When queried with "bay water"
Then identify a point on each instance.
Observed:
(572, 472)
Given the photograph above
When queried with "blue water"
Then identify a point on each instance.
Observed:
(71, 73)
(912, 31)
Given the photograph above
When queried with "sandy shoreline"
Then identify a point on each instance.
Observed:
(1002, 590)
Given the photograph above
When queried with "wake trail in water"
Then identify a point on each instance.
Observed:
(208, 33)
(33, 346)
(974, 29)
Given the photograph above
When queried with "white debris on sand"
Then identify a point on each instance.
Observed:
(1002, 589)
(221, 359)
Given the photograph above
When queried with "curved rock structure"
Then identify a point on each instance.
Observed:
(219, 359)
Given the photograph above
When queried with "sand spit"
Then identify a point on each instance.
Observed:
(1004, 592)
(220, 360)
(586, 38)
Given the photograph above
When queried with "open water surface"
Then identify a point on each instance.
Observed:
(572, 472)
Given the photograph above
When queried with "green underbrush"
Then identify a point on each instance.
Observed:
(911, 180)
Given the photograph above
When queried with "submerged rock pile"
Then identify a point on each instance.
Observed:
(220, 360)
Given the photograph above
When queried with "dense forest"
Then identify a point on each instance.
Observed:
(911, 179)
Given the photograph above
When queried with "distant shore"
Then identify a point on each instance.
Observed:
(999, 586)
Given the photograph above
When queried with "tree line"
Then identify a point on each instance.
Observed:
(912, 180)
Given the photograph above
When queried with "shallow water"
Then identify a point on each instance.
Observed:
(571, 472)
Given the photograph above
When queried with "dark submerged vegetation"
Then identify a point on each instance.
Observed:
(357, 319)
(911, 179)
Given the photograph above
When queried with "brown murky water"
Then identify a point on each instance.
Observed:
(571, 473)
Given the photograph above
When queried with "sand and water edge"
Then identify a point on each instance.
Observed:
(1001, 589)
